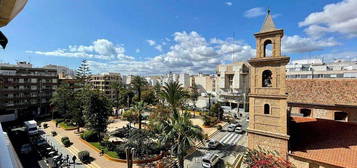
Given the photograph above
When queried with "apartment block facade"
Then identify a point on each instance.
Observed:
(103, 82)
(316, 68)
(25, 91)
(205, 83)
(232, 83)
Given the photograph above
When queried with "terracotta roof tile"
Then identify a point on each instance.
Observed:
(322, 91)
(326, 141)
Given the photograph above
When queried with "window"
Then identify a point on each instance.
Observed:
(305, 112)
(268, 48)
(266, 109)
(341, 116)
(266, 80)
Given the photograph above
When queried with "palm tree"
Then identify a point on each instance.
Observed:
(116, 87)
(179, 133)
(174, 95)
(138, 83)
(139, 109)
(157, 90)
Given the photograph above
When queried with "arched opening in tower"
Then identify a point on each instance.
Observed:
(268, 48)
(267, 77)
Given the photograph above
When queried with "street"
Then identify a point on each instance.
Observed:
(231, 144)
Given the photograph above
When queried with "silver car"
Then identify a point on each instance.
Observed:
(209, 160)
(213, 144)
(231, 127)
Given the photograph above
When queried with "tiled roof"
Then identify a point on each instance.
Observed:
(325, 141)
(322, 91)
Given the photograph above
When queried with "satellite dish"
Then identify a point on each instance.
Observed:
(9, 9)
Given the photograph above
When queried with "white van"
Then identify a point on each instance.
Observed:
(209, 160)
(31, 127)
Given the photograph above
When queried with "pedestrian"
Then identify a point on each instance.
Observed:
(101, 152)
(67, 158)
(56, 124)
(74, 159)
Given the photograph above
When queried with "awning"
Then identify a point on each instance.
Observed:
(9, 9)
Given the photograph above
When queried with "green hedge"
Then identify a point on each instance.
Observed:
(84, 156)
(90, 136)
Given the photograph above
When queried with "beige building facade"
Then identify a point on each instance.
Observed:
(103, 82)
(267, 99)
(205, 83)
(232, 83)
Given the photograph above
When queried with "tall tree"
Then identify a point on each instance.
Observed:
(179, 133)
(138, 83)
(96, 111)
(174, 94)
(139, 109)
(157, 89)
(83, 72)
(194, 94)
(116, 87)
(61, 101)
(148, 96)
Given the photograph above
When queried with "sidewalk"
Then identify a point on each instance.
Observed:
(99, 162)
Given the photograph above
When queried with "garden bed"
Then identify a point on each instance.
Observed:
(97, 147)
(66, 126)
(106, 151)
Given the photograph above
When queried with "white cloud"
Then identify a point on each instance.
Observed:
(151, 42)
(338, 17)
(229, 3)
(254, 12)
(158, 48)
(189, 53)
(137, 50)
(99, 49)
(345, 56)
(297, 44)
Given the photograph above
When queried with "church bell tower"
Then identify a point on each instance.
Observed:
(268, 99)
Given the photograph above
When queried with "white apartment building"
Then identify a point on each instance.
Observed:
(184, 80)
(232, 84)
(316, 68)
(153, 80)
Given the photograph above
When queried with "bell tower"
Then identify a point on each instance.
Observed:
(268, 99)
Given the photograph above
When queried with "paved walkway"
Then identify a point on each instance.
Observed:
(209, 130)
(99, 162)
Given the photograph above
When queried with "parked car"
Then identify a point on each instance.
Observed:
(213, 144)
(239, 129)
(26, 148)
(209, 160)
(247, 119)
(231, 127)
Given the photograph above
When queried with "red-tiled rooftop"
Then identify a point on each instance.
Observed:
(325, 141)
(322, 91)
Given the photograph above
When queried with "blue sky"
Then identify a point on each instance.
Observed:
(157, 36)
